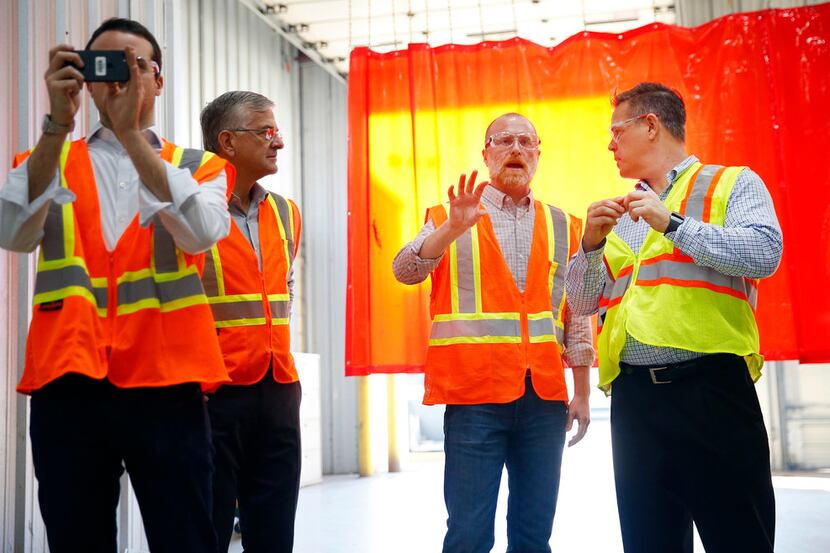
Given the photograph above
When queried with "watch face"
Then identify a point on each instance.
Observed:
(675, 219)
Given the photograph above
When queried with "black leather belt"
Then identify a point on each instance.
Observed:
(668, 373)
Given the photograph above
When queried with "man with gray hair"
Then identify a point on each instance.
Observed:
(248, 279)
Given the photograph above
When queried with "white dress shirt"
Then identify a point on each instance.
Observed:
(196, 218)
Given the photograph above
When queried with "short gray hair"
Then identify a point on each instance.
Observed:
(225, 113)
(664, 102)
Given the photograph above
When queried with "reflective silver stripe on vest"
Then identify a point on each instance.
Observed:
(280, 309)
(146, 288)
(479, 327)
(191, 159)
(284, 209)
(164, 248)
(691, 272)
(560, 253)
(694, 205)
(466, 279)
(753, 295)
(613, 290)
(101, 296)
(209, 280)
(544, 327)
(236, 310)
(71, 275)
(52, 244)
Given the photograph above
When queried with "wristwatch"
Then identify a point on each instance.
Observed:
(675, 220)
(50, 127)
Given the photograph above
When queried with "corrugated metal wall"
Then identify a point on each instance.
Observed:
(209, 47)
(10, 403)
(691, 13)
(324, 188)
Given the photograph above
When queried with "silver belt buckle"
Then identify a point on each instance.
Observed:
(654, 380)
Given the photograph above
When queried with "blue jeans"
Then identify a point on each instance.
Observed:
(528, 436)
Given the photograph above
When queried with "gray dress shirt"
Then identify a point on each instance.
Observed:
(248, 224)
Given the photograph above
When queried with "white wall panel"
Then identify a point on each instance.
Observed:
(8, 297)
(324, 145)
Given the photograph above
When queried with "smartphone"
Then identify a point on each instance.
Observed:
(104, 65)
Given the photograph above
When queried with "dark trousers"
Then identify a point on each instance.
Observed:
(690, 445)
(527, 436)
(256, 434)
(84, 432)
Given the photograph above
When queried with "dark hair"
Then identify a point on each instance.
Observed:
(662, 101)
(502, 116)
(131, 27)
(225, 111)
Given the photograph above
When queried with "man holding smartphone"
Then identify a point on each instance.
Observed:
(121, 335)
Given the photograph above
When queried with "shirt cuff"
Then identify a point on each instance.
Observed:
(182, 186)
(16, 191)
(687, 229)
(424, 264)
(593, 257)
(580, 356)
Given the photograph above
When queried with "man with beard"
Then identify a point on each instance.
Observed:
(501, 334)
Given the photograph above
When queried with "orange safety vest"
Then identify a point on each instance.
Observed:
(250, 306)
(137, 315)
(486, 333)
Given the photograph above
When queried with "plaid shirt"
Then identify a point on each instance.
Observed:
(513, 225)
(749, 245)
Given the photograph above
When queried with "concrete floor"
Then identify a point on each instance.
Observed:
(404, 512)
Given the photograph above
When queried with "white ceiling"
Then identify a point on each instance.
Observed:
(333, 27)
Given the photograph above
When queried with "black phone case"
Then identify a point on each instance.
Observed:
(104, 66)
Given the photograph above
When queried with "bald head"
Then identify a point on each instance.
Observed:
(499, 123)
(512, 154)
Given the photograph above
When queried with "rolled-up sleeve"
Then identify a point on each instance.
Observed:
(585, 281)
(197, 217)
(408, 266)
(579, 341)
(21, 221)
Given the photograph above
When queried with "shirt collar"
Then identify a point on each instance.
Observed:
(258, 195)
(100, 132)
(499, 198)
(672, 175)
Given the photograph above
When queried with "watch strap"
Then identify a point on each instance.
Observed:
(50, 127)
(675, 220)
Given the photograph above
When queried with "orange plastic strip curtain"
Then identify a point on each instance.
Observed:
(757, 93)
